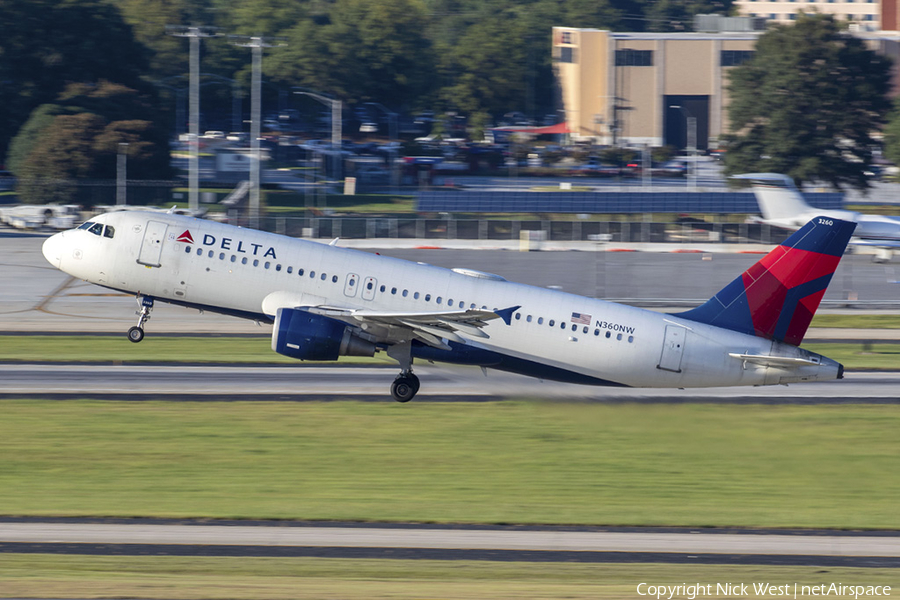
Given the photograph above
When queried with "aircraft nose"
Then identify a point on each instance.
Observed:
(53, 249)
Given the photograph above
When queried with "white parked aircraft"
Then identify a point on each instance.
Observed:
(327, 301)
(782, 205)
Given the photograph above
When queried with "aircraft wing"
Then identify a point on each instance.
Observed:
(428, 327)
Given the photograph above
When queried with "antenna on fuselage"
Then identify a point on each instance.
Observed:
(171, 211)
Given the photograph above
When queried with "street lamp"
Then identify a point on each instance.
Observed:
(335, 127)
(392, 125)
(691, 145)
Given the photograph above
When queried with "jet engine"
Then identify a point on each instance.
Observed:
(301, 334)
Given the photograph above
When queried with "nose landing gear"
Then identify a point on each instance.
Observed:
(136, 333)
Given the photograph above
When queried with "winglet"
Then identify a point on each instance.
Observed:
(777, 297)
(507, 313)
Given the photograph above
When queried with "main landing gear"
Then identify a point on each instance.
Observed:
(136, 333)
(405, 387)
(406, 384)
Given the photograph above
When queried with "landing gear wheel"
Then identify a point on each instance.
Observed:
(405, 387)
(135, 334)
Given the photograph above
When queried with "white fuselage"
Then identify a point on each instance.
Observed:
(553, 335)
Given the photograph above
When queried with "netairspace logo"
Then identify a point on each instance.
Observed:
(796, 590)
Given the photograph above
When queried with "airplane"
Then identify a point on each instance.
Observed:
(782, 205)
(325, 301)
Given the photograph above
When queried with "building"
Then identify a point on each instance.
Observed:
(658, 89)
(863, 15)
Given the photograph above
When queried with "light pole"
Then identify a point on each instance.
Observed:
(392, 132)
(122, 174)
(691, 145)
(336, 106)
(256, 44)
(194, 33)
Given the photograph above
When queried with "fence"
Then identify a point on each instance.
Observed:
(500, 229)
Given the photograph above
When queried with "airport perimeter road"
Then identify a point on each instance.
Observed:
(439, 383)
(413, 541)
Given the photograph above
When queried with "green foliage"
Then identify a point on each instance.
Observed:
(79, 139)
(892, 135)
(807, 104)
(45, 44)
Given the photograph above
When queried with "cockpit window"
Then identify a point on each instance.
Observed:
(86, 225)
(109, 232)
(96, 229)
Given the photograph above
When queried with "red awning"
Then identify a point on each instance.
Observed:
(550, 129)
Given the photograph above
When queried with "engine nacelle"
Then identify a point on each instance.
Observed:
(301, 334)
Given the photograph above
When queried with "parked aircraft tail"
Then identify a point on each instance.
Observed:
(777, 297)
(777, 196)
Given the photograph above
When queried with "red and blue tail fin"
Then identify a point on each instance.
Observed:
(777, 297)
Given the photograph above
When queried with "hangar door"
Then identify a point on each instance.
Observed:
(676, 112)
(151, 246)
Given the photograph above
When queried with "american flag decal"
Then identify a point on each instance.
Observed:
(581, 319)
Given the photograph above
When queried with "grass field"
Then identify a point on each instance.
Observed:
(157, 348)
(176, 578)
(505, 462)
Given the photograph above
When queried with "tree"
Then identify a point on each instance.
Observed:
(47, 44)
(807, 105)
(78, 138)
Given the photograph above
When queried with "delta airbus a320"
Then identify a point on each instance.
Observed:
(325, 301)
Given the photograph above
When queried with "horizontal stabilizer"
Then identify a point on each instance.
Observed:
(776, 361)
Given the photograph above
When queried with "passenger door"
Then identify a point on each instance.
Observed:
(151, 247)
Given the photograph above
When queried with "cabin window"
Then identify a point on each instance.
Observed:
(109, 232)
(233, 258)
(427, 297)
(300, 272)
(585, 330)
(472, 306)
(323, 276)
(416, 296)
(574, 327)
(518, 316)
(540, 320)
(630, 339)
(405, 293)
(211, 254)
(552, 323)
(244, 260)
(277, 267)
(382, 289)
(369, 285)
(596, 332)
(221, 256)
(290, 269)
(199, 251)
(394, 291)
(267, 264)
(619, 337)
(334, 279)
(96, 228)
(608, 335)
(312, 274)
(438, 300)
(528, 318)
(187, 249)
(255, 262)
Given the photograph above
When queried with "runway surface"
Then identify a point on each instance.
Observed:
(435, 542)
(439, 383)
